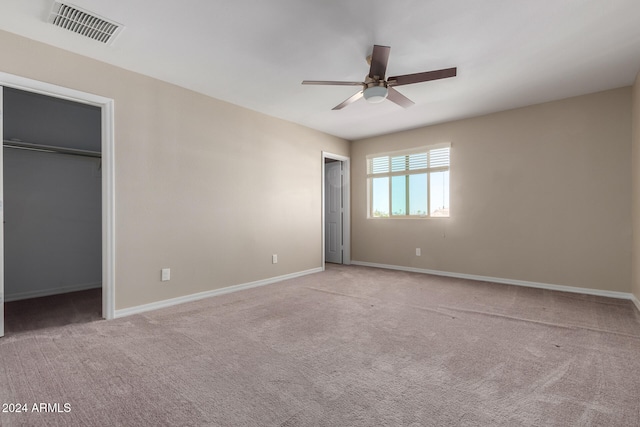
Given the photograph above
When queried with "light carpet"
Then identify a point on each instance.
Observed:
(352, 346)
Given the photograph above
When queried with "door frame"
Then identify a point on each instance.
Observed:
(106, 106)
(346, 203)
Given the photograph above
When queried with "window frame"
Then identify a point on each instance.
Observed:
(407, 173)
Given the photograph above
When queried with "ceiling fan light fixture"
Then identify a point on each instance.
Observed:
(375, 94)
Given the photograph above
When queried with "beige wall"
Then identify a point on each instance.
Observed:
(211, 190)
(203, 187)
(635, 284)
(538, 194)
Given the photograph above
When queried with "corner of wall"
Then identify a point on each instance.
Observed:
(635, 190)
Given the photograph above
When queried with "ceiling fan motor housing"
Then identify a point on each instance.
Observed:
(376, 91)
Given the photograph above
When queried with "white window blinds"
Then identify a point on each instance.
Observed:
(418, 160)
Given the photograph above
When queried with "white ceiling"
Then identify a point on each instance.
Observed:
(255, 53)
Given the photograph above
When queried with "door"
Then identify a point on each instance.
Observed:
(333, 215)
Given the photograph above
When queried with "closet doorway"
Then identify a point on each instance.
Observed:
(57, 204)
(52, 210)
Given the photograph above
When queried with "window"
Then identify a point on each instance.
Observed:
(411, 183)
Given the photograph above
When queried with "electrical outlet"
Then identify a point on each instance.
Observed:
(418, 252)
(166, 274)
(274, 259)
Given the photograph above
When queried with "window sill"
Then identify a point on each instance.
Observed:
(408, 217)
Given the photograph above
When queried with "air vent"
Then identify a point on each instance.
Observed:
(85, 23)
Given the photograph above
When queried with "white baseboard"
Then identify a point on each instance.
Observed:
(636, 301)
(52, 291)
(194, 297)
(562, 288)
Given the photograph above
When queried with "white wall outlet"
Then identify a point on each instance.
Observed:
(274, 259)
(166, 274)
(418, 252)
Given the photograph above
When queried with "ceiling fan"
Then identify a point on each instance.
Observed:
(376, 89)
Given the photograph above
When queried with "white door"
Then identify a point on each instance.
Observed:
(333, 212)
(1, 218)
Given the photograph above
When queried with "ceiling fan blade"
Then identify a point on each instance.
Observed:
(322, 82)
(346, 102)
(395, 96)
(379, 59)
(422, 77)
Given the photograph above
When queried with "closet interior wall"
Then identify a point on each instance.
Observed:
(52, 195)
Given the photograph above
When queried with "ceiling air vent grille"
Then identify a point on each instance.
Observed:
(83, 22)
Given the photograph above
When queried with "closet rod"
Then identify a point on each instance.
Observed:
(50, 148)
